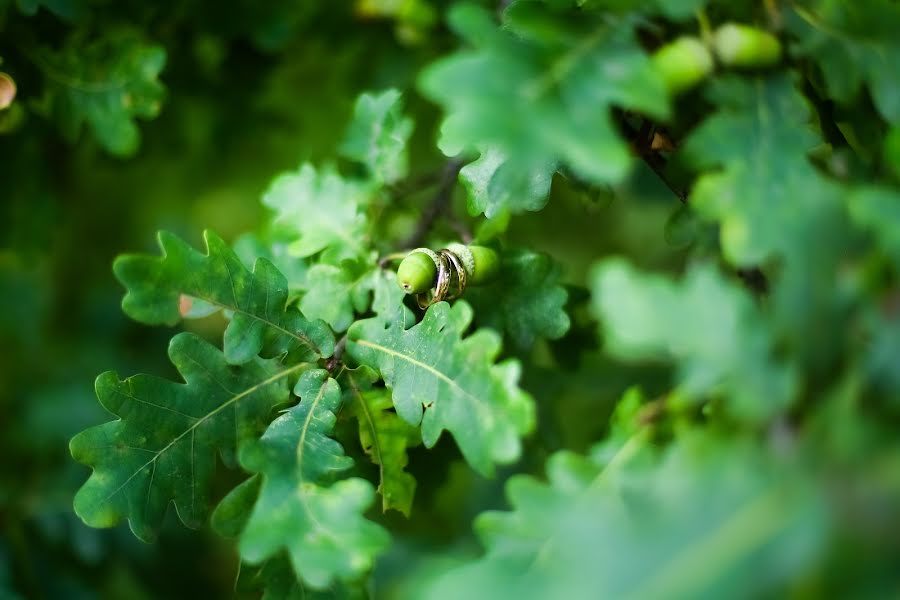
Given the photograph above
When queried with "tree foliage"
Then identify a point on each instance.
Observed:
(681, 382)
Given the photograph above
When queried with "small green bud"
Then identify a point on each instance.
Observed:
(417, 272)
(739, 45)
(682, 64)
(487, 265)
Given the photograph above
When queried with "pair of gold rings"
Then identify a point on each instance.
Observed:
(451, 279)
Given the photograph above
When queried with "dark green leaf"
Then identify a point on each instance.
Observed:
(383, 434)
(526, 302)
(106, 83)
(301, 508)
(185, 283)
(163, 446)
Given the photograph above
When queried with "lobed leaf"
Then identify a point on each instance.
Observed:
(320, 211)
(442, 380)
(378, 134)
(301, 508)
(768, 197)
(711, 330)
(185, 283)
(162, 448)
(526, 302)
(383, 434)
(335, 294)
(106, 82)
(494, 185)
(643, 528)
(544, 99)
(853, 43)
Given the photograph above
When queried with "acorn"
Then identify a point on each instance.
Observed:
(738, 45)
(418, 271)
(682, 64)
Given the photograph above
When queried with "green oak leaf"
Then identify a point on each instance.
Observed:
(774, 207)
(163, 446)
(442, 380)
(185, 283)
(711, 330)
(301, 508)
(383, 435)
(318, 210)
(378, 134)
(495, 186)
(854, 43)
(526, 301)
(544, 99)
(712, 518)
(768, 197)
(335, 294)
(105, 82)
(249, 247)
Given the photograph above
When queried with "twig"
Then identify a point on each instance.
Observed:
(642, 141)
(332, 363)
(415, 183)
(439, 203)
(752, 277)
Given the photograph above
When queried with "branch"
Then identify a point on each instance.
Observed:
(439, 203)
(335, 359)
(642, 143)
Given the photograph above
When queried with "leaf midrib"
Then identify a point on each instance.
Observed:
(413, 361)
(236, 398)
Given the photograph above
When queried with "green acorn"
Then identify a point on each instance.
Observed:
(418, 271)
(682, 64)
(739, 45)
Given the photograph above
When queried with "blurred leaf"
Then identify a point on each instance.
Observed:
(163, 290)
(444, 381)
(300, 507)
(383, 434)
(768, 197)
(378, 135)
(320, 211)
(163, 446)
(106, 82)
(526, 302)
(544, 99)
(335, 294)
(495, 186)
(717, 338)
(648, 529)
(853, 42)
